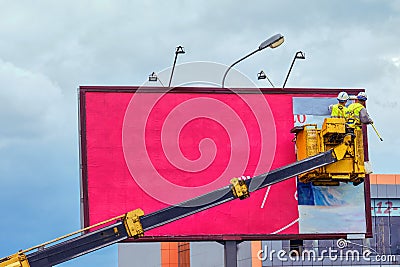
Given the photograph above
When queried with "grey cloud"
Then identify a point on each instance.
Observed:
(31, 105)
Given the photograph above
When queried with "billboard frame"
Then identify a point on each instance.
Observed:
(84, 202)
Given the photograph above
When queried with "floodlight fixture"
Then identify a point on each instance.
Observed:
(179, 50)
(154, 78)
(298, 55)
(262, 76)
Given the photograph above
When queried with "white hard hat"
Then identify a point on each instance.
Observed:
(343, 96)
(362, 96)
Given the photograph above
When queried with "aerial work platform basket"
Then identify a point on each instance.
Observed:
(311, 141)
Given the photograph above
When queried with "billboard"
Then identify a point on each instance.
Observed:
(150, 148)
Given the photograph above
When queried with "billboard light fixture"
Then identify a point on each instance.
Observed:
(298, 55)
(179, 50)
(153, 78)
(262, 76)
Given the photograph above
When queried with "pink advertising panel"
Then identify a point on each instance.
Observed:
(150, 148)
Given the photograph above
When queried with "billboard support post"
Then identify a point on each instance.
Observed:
(230, 253)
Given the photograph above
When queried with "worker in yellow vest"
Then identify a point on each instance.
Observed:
(357, 113)
(339, 110)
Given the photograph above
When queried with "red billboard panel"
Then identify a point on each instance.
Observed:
(150, 148)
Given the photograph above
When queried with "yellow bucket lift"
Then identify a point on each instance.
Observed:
(311, 141)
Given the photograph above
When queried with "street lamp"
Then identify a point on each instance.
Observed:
(262, 76)
(179, 50)
(271, 42)
(153, 78)
(298, 55)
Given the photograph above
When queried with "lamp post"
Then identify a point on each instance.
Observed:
(153, 78)
(271, 42)
(179, 50)
(298, 55)
(261, 76)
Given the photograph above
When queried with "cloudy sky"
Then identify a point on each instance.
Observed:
(49, 48)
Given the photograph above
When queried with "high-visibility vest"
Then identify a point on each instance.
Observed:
(353, 114)
(339, 111)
